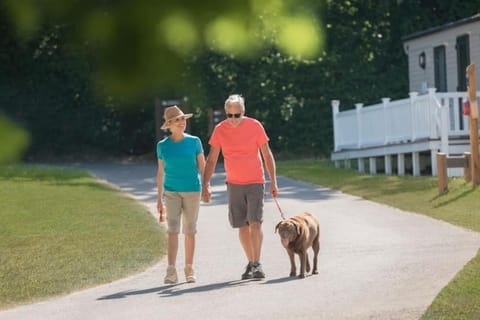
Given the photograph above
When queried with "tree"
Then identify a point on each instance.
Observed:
(140, 46)
(52, 49)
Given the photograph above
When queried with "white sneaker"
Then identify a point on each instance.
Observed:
(190, 273)
(171, 277)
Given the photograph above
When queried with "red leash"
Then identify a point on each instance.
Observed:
(279, 209)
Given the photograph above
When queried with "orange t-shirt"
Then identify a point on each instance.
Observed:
(241, 150)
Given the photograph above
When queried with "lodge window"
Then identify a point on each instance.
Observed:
(440, 68)
(463, 60)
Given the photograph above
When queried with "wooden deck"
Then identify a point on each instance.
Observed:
(402, 136)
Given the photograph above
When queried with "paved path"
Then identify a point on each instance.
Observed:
(376, 262)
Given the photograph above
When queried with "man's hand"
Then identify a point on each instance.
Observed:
(273, 190)
(206, 193)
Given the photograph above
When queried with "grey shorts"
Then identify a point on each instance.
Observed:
(245, 204)
(182, 208)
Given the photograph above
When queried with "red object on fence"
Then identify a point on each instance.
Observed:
(466, 108)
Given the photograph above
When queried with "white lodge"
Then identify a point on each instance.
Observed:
(403, 136)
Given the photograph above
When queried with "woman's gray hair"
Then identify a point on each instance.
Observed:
(235, 99)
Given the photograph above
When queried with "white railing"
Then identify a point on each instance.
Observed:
(419, 117)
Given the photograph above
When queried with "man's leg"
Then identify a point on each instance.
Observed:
(251, 238)
(246, 241)
(256, 236)
(256, 239)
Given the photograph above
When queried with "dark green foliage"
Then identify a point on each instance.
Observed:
(47, 87)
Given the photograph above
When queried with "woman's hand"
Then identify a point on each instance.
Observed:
(161, 210)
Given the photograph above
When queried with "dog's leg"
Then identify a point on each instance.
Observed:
(293, 268)
(307, 269)
(303, 257)
(316, 249)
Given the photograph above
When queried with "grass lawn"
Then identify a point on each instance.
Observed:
(61, 231)
(460, 206)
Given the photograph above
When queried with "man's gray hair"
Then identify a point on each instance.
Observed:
(235, 99)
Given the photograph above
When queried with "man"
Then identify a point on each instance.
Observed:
(242, 140)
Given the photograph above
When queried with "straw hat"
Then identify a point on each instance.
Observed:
(172, 113)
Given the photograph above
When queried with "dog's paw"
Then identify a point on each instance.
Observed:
(301, 276)
(293, 274)
(314, 272)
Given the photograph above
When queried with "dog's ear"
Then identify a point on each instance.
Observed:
(297, 228)
(276, 227)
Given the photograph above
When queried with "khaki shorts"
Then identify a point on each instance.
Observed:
(182, 208)
(245, 204)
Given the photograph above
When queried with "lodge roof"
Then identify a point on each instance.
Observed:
(445, 26)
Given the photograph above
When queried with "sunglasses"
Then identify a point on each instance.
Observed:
(236, 115)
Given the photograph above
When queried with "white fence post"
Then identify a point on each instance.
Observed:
(413, 117)
(358, 107)
(433, 107)
(347, 163)
(433, 157)
(388, 164)
(385, 102)
(372, 163)
(361, 165)
(444, 129)
(416, 163)
(401, 164)
(335, 109)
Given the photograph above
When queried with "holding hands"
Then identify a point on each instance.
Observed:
(206, 193)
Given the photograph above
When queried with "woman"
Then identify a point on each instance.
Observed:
(180, 167)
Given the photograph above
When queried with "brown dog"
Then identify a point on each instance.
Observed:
(297, 234)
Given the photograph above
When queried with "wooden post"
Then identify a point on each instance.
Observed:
(472, 98)
(442, 173)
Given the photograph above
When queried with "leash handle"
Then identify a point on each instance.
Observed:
(279, 209)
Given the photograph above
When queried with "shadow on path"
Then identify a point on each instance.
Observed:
(176, 290)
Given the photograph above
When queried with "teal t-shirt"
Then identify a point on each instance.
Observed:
(180, 163)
